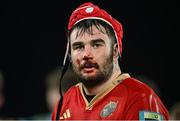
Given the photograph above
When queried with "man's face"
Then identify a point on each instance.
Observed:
(92, 56)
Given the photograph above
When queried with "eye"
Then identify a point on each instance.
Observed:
(78, 47)
(96, 45)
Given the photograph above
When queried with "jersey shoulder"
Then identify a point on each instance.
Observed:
(72, 90)
(137, 86)
(143, 97)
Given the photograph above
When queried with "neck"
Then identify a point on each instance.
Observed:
(96, 89)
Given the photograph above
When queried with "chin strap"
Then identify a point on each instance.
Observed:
(63, 71)
(59, 108)
(64, 68)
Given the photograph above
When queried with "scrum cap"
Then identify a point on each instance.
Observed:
(91, 11)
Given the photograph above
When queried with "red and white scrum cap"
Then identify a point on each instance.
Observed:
(91, 11)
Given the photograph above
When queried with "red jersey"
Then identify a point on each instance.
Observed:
(124, 99)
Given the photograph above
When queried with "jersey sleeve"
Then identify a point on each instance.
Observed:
(53, 117)
(146, 107)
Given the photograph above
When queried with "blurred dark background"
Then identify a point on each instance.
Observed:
(33, 42)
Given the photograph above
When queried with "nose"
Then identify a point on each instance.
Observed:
(87, 53)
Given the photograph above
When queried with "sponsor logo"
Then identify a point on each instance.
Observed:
(147, 115)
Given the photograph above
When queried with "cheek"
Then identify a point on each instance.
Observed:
(78, 62)
(102, 52)
(100, 56)
(104, 57)
(75, 60)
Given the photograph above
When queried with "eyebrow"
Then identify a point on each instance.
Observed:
(97, 40)
(92, 41)
(77, 43)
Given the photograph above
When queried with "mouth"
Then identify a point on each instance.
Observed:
(89, 67)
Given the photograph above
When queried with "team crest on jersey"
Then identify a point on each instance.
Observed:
(108, 109)
(147, 115)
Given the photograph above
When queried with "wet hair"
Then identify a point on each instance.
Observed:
(85, 26)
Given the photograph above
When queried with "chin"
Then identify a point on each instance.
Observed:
(90, 76)
(92, 79)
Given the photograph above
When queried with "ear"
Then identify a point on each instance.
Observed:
(115, 51)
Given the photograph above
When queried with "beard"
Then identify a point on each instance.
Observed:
(101, 76)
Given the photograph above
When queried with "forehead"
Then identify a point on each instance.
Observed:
(90, 33)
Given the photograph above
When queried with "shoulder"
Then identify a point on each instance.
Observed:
(138, 91)
(136, 86)
(72, 90)
(142, 97)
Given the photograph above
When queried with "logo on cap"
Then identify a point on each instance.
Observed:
(89, 10)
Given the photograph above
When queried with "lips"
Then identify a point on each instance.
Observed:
(88, 66)
(88, 70)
